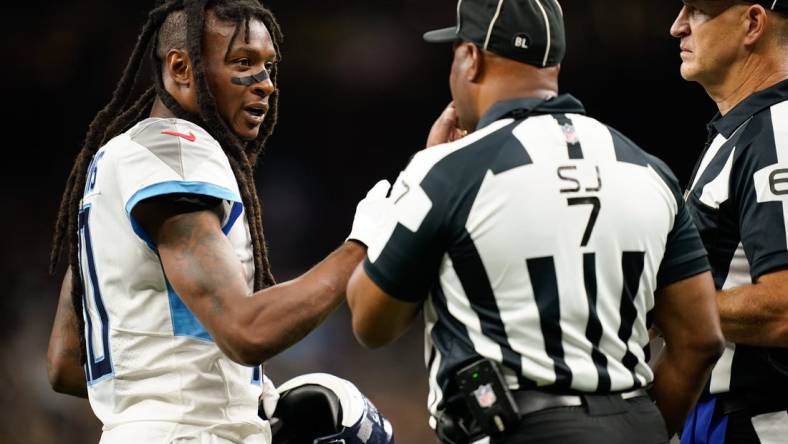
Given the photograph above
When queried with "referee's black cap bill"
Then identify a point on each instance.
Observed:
(773, 5)
(528, 31)
(444, 35)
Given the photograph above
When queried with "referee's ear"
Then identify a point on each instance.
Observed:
(757, 18)
(469, 60)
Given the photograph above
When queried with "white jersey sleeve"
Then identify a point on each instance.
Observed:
(173, 156)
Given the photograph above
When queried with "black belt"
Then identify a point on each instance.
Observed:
(531, 401)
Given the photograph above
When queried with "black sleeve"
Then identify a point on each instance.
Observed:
(187, 203)
(685, 256)
(760, 191)
(405, 262)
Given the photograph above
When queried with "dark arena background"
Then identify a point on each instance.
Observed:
(359, 92)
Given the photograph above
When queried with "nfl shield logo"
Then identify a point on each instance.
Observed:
(485, 396)
(569, 133)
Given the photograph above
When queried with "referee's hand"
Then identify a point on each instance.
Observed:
(447, 128)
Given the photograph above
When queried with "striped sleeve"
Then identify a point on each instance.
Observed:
(404, 262)
(759, 182)
(685, 256)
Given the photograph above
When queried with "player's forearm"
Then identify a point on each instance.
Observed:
(679, 379)
(64, 353)
(291, 310)
(204, 270)
(755, 314)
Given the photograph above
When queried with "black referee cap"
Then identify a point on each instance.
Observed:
(774, 5)
(528, 31)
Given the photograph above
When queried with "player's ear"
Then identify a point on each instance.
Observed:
(178, 66)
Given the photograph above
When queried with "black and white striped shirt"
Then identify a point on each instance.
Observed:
(738, 198)
(537, 241)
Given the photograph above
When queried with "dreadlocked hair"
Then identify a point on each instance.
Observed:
(118, 116)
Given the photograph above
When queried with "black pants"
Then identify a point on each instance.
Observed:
(633, 421)
(740, 429)
(741, 409)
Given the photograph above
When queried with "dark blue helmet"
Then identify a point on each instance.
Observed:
(319, 408)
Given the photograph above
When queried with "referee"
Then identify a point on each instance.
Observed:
(738, 197)
(544, 242)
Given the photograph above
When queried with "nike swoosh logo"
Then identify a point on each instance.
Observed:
(190, 137)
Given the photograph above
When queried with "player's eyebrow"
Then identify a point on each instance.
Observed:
(244, 49)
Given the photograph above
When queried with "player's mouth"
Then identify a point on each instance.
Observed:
(256, 113)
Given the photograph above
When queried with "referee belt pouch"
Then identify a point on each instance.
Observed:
(481, 404)
(457, 425)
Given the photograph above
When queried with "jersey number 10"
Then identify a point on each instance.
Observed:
(98, 363)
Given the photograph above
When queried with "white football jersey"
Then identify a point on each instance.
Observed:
(149, 357)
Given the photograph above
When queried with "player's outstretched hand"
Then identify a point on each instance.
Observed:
(447, 128)
(371, 213)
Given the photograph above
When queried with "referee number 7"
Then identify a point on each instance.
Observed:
(595, 206)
